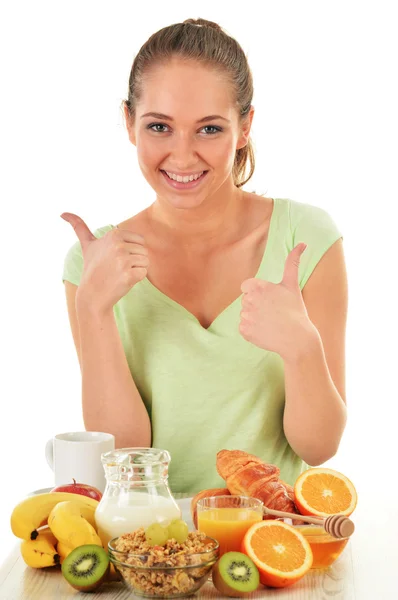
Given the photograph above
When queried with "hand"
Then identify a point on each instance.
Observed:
(113, 264)
(274, 316)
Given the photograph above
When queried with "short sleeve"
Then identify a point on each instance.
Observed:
(73, 263)
(315, 227)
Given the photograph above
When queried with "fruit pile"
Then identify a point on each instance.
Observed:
(275, 553)
(58, 527)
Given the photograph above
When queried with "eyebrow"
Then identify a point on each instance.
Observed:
(166, 118)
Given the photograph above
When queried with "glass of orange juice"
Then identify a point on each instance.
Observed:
(227, 518)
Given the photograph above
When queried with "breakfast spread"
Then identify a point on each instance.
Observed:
(133, 533)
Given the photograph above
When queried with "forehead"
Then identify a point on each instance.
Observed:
(186, 90)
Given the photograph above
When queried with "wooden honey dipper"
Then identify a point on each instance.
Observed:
(339, 526)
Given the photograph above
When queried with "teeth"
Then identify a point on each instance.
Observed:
(184, 179)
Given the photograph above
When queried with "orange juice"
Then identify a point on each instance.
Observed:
(325, 548)
(227, 525)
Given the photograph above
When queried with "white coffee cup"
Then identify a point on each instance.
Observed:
(77, 455)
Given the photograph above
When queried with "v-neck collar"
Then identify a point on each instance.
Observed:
(177, 305)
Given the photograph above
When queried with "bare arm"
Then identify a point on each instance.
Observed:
(113, 264)
(111, 401)
(315, 411)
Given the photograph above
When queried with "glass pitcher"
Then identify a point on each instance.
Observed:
(137, 493)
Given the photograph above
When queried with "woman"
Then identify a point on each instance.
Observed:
(200, 323)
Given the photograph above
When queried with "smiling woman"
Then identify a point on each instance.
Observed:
(197, 321)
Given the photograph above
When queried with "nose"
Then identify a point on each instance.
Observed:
(183, 153)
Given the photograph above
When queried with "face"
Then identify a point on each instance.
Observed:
(187, 142)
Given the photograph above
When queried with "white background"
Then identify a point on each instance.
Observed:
(325, 132)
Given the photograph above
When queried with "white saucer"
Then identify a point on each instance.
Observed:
(42, 491)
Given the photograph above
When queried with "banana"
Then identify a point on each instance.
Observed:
(32, 512)
(63, 550)
(70, 527)
(45, 532)
(40, 552)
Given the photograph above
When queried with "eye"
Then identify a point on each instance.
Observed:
(153, 127)
(216, 129)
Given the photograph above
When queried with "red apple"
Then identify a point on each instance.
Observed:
(80, 488)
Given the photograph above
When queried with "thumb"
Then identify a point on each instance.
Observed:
(292, 264)
(82, 231)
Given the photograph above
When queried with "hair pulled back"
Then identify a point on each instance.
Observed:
(205, 42)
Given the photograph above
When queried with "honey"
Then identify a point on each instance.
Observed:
(325, 548)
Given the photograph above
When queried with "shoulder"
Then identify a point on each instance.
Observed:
(315, 227)
(137, 223)
(309, 218)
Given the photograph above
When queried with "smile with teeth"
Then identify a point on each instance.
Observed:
(185, 179)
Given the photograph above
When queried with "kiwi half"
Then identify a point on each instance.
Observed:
(235, 575)
(86, 567)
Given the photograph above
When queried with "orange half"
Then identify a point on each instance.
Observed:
(323, 492)
(280, 552)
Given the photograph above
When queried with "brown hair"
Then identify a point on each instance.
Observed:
(206, 42)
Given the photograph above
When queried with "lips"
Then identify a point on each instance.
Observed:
(180, 185)
(202, 173)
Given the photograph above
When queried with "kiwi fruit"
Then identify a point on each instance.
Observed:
(86, 567)
(235, 575)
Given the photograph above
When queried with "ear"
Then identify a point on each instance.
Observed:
(130, 125)
(245, 129)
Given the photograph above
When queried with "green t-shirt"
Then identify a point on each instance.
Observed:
(210, 389)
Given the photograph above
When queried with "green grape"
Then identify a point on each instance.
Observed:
(156, 534)
(178, 530)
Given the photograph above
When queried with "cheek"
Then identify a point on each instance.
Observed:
(222, 153)
(149, 156)
(147, 149)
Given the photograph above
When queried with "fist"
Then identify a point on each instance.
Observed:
(273, 316)
(113, 264)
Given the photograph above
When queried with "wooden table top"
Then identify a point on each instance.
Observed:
(20, 582)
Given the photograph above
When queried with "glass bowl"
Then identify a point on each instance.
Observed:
(160, 580)
(326, 549)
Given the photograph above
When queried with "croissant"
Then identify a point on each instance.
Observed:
(247, 475)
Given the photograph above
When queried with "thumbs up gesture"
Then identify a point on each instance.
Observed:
(113, 264)
(273, 315)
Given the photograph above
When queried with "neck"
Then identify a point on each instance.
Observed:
(214, 222)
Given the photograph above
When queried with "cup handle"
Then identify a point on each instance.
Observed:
(49, 451)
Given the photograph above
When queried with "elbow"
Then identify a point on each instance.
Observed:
(318, 460)
(317, 457)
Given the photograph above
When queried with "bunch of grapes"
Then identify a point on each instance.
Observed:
(157, 534)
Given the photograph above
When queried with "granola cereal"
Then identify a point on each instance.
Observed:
(174, 569)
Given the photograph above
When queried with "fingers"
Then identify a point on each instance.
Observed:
(128, 242)
(82, 231)
(129, 236)
(292, 264)
(248, 285)
(136, 249)
(139, 260)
